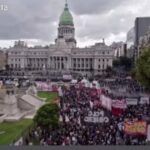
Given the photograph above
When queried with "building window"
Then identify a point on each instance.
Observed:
(103, 67)
(99, 66)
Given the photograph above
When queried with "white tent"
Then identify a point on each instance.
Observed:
(74, 81)
(129, 78)
(96, 84)
(86, 82)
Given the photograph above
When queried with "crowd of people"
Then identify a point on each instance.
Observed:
(75, 105)
(129, 85)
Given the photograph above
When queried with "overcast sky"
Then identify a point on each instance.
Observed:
(36, 21)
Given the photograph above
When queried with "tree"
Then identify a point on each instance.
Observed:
(116, 63)
(143, 68)
(7, 67)
(123, 62)
(47, 116)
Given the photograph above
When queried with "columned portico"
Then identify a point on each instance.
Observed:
(59, 63)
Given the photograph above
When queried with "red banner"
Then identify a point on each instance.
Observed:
(54, 88)
(136, 128)
(117, 111)
(121, 104)
(93, 92)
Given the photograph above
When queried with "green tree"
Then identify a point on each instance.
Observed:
(143, 68)
(47, 116)
(124, 62)
(116, 63)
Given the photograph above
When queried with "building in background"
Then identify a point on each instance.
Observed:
(130, 42)
(3, 60)
(120, 49)
(63, 56)
(144, 42)
(141, 27)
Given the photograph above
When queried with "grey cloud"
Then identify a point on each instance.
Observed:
(36, 19)
(29, 19)
(88, 7)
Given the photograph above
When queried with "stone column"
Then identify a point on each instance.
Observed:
(84, 63)
(55, 62)
(80, 63)
(60, 63)
(51, 63)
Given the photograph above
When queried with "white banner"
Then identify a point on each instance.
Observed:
(1, 84)
(67, 77)
(106, 102)
(119, 104)
(43, 86)
(144, 100)
(96, 117)
(60, 93)
(91, 104)
(148, 133)
(132, 101)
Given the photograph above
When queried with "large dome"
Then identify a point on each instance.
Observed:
(66, 17)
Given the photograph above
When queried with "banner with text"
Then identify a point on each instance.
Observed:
(121, 104)
(148, 133)
(96, 117)
(144, 100)
(132, 101)
(136, 128)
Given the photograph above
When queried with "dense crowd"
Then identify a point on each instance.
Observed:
(75, 104)
(130, 86)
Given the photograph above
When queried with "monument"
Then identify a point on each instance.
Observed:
(14, 107)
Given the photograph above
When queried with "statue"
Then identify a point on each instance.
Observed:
(32, 90)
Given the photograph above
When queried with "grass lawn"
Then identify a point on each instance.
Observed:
(49, 96)
(10, 131)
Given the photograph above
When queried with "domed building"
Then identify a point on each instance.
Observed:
(63, 56)
(66, 28)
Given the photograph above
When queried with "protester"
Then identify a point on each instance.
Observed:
(85, 120)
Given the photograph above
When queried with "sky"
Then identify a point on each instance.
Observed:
(36, 21)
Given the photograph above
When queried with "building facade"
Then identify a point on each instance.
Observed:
(119, 48)
(144, 42)
(3, 60)
(130, 43)
(141, 27)
(63, 56)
